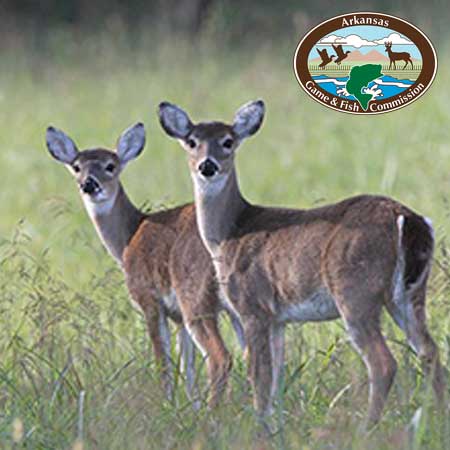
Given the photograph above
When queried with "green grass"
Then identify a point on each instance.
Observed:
(75, 360)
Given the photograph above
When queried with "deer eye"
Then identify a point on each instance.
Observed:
(76, 168)
(228, 143)
(191, 143)
(110, 167)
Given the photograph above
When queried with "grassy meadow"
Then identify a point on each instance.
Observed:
(76, 370)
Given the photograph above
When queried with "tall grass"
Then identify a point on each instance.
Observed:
(76, 369)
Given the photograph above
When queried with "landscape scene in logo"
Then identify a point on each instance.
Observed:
(365, 68)
(350, 64)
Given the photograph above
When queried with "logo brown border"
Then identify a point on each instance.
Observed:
(429, 57)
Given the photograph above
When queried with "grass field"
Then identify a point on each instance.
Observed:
(75, 366)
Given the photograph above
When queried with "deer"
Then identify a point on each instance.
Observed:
(397, 56)
(276, 266)
(160, 253)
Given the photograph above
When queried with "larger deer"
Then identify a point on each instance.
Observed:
(159, 253)
(276, 266)
(397, 56)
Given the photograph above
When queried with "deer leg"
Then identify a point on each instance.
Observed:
(420, 340)
(159, 333)
(359, 291)
(427, 351)
(277, 353)
(205, 334)
(257, 335)
(381, 365)
(405, 65)
(237, 327)
(187, 353)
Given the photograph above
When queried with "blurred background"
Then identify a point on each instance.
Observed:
(233, 21)
(92, 68)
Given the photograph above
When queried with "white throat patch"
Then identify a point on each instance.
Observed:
(210, 187)
(98, 208)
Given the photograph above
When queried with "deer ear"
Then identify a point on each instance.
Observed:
(60, 146)
(131, 143)
(174, 120)
(248, 119)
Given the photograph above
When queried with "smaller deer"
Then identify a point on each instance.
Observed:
(276, 266)
(397, 56)
(168, 272)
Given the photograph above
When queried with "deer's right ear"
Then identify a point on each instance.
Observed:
(131, 143)
(248, 119)
(174, 120)
(60, 146)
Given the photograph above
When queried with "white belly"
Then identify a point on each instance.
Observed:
(318, 307)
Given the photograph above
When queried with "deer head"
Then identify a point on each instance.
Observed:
(388, 46)
(96, 170)
(211, 146)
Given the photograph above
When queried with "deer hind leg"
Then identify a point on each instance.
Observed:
(206, 336)
(421, 340)
(410, 316)
(359, 284)
(367, 338)
(407, 305)
(277, 356)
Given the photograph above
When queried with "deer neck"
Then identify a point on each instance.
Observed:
(218, 206)
(116, 221)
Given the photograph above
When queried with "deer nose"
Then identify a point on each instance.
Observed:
(208, 168)
(90, 185)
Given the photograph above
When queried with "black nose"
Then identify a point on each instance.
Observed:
(90, 185)
(208, 168)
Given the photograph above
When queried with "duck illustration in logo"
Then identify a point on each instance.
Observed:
(324, 57)
(340, 53)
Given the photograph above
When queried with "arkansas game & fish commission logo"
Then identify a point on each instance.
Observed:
(365, 63)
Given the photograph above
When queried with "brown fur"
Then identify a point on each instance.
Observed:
(166, 253)
(280, 265)
(160, 253)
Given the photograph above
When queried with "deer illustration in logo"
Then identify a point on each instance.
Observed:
(397, 56)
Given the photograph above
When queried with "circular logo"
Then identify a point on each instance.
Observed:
(365, 63)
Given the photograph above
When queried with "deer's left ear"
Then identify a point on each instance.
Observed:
(131, 143)
(248, 119)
